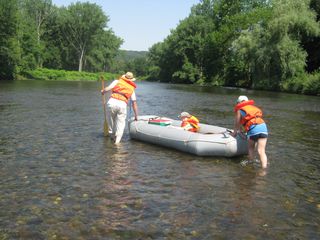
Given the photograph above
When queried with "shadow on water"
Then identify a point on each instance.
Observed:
(62, 179)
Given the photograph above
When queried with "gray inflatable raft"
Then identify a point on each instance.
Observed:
(209, 141)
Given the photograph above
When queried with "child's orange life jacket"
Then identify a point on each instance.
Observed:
(193, 122)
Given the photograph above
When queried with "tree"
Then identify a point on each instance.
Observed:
(154, 58)
(230, 18)
(312, 43)
(195, 34)
(81, 23)
(198, 50)
(36, 13)
(9, 45)
(102, 55)
(271, 51)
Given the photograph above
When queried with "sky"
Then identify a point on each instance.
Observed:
(141, 23)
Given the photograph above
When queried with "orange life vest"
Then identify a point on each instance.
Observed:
(253, 114)
(123, 90)
(193, 122)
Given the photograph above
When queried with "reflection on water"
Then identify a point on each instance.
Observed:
(61, 179)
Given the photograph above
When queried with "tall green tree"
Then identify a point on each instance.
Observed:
(102, 55)
(274, 51)
(198, 50)
(36, 14)
(54, 44)
(193, 34)
(154, 57)
(81, 23)
(312, 43)
(64, 49)
(9, 44)
(181, 56)
(230, 18)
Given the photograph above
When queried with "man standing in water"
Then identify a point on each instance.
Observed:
(249, 118)
(122, 90)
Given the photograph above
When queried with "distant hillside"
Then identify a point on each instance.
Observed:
(133, 61)
(126, 55)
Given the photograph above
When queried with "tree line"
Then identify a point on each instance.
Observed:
(259, 44)
(36, 34)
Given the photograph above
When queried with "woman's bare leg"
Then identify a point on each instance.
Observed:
(262, 142)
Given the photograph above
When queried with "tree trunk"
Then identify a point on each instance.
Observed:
(38, 40)
(81, 60)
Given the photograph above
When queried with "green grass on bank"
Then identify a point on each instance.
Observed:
(304, 84)
(63, 75)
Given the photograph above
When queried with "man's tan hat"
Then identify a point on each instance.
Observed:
(129, 75)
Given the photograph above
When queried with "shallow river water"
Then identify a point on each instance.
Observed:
(61, 178)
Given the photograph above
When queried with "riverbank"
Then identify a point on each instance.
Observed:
(308, 84)
(63, 75)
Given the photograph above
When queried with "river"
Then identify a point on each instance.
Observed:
(62, 179)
